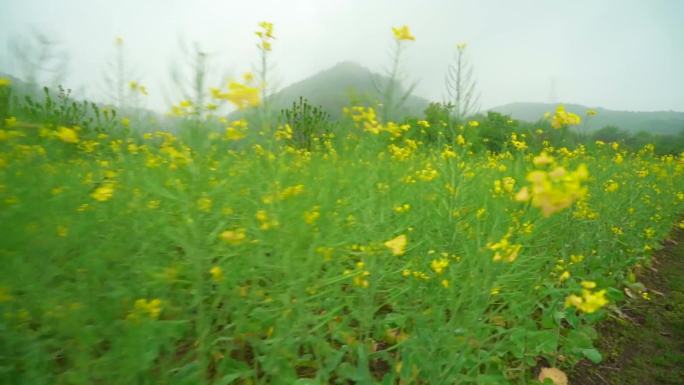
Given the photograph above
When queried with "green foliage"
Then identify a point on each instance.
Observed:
(609, 134)
(337, 87)
(62, 110)
(495, 130)
(438, 116)
(164, 260)
(5, 99)
(308, 123)
(655, 122)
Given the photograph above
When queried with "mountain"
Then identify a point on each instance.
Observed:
(345, 84)
(655, 122)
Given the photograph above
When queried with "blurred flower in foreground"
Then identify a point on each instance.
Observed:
(563, 118)
(397, 245)
(402, 33)
(590, 301)
(216, 273)
(554, 190)
(265, 36)
(146, 309)
(242, 95)
(67, 135)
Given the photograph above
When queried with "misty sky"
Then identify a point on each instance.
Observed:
(618, 54)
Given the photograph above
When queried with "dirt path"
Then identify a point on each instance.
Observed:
(646, 346)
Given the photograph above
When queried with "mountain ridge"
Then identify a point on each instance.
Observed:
(341, 85)
(656, 122)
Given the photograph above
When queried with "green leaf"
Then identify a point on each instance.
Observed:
(593, 355)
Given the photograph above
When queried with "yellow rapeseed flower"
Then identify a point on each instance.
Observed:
(542, 159)
(103, 193)
(216, 273)
(5, 82)
(563, 118)
(397, 245)
(402, 33)
(11, 121)
(144, 308)
(554, 190)
(564, 276)
(438, 265)
(242, 95)
(267, 29)
(67, 135)
(312, 215)
(589, 302)
(234, 237)
(204, 204)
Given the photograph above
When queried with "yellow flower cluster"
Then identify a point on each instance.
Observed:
(590, 301)
(505, 185)
(204, 204)
(311, 216)
(216, 273)
(280, 195)
(103, 192)
(265, 221)
(610, 186)
(284, 132)
(427, 174)
(402, 33)
(504, 250)
(583, 210)
(563, 118)
(554, 190)
(137, 87)
(397, 245)
(143, 308)
(403, 152)
(234, 237)
(518, 144)
(360, 276)
(67, 135)
(236, 130)
(5, 82)
(242, 95)
(265, 35)
(364, 118)
(183, 108)
(439, 265)
(400, 209)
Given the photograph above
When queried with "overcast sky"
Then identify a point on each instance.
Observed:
(618, 54)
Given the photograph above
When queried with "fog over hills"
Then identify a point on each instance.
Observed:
(619, 54)
(655, 122)
(343, 84)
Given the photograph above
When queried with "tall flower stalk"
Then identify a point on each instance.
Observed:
(266, 37)
(391, 102)
(461, 86)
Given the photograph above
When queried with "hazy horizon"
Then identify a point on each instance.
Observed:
(619, 55)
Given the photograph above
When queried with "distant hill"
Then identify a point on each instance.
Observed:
(657, 122)
(344, 84)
